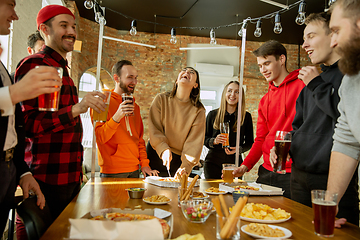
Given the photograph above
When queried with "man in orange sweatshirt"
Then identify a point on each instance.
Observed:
(120, 139)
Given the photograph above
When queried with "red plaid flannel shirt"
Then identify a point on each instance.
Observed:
(56, 153)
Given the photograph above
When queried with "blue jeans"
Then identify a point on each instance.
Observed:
(134, 174)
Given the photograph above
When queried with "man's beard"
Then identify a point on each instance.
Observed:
(125, 88)
(350, 55)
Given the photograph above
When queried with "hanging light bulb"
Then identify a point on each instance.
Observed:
(212, 37)
(99, 14)
(133, 31)
(88, 4)
(277, 27)
(300, 19)
(258, 32)
(244, 26)
(173, 39)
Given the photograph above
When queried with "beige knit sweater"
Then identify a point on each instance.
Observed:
(179, 126)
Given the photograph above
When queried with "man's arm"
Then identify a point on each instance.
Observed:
(342, 168)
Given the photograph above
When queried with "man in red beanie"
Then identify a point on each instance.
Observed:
(57, 153)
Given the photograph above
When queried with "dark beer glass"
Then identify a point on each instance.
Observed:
(282, 147)
(128, 96)
(324, 206)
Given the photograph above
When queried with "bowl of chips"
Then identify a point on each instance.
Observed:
(196, 211)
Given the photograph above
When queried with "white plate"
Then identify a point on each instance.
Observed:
(263, 221)
(199, 198)
(287, 232)
(157, 203)
(215, 193)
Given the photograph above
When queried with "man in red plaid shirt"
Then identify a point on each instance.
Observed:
(57, 153)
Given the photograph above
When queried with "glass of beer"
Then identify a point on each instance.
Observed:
(282, 147)
(324, 206)
(227, 169)
(102, 116)
(224, 130)
(128, 96)
(50, 101)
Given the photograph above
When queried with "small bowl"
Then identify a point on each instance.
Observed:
(196, 211)
(237, 194)
(136, 192)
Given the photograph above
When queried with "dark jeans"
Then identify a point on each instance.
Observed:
(7, 191)
(157, 164)
(275, 179)
(134, 174)
(303, 182)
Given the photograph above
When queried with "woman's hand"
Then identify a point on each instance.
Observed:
(230, 150)
(180, 172)
(219, 139)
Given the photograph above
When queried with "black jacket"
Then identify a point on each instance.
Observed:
(21, 166)
(314, 122)
(216, 153)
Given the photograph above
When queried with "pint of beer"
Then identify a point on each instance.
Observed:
(50, 101)
(227, 170)
(102, 116)
(324, 206)
(128, 96)
(282, 147)
(224, 130)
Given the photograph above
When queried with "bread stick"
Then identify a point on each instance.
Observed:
(217, 206)
(190, 187)
(231, 222)
(223, 205)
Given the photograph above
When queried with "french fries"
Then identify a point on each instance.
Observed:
(264, 230)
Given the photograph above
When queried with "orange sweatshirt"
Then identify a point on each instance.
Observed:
(118, 151)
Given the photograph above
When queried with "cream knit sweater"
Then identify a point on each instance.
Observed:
(178, 126)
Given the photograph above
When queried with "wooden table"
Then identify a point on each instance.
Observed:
(110, 192)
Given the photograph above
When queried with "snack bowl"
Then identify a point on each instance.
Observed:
(196, 211)
(136, 192)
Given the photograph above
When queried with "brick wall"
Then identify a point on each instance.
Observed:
(159, 67)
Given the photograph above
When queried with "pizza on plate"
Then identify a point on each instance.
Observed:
(119, 217)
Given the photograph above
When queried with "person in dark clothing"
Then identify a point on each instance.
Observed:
(213, 139)
(315, 119)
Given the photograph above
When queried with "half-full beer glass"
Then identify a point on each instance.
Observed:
(102, 116)
(324, 206)
(50, 101)
(282, 147)
(224, 130)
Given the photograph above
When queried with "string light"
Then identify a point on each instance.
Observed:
(88, 4)
(244, 23)
(173, 39)
(300, 19)
(258, 32)
(277, 27)
(133, 31)
(244, 26)
(212, 37)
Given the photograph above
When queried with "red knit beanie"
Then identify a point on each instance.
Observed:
(51, 11)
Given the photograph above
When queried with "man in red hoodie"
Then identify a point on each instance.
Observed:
(276, 112)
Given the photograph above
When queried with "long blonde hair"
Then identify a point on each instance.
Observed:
(220, 116)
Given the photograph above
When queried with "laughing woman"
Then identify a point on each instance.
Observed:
(177, 126)
(213, 139)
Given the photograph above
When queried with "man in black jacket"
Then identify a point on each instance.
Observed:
(315, 118)
(13, 169)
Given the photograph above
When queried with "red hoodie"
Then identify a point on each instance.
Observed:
(276, 112)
